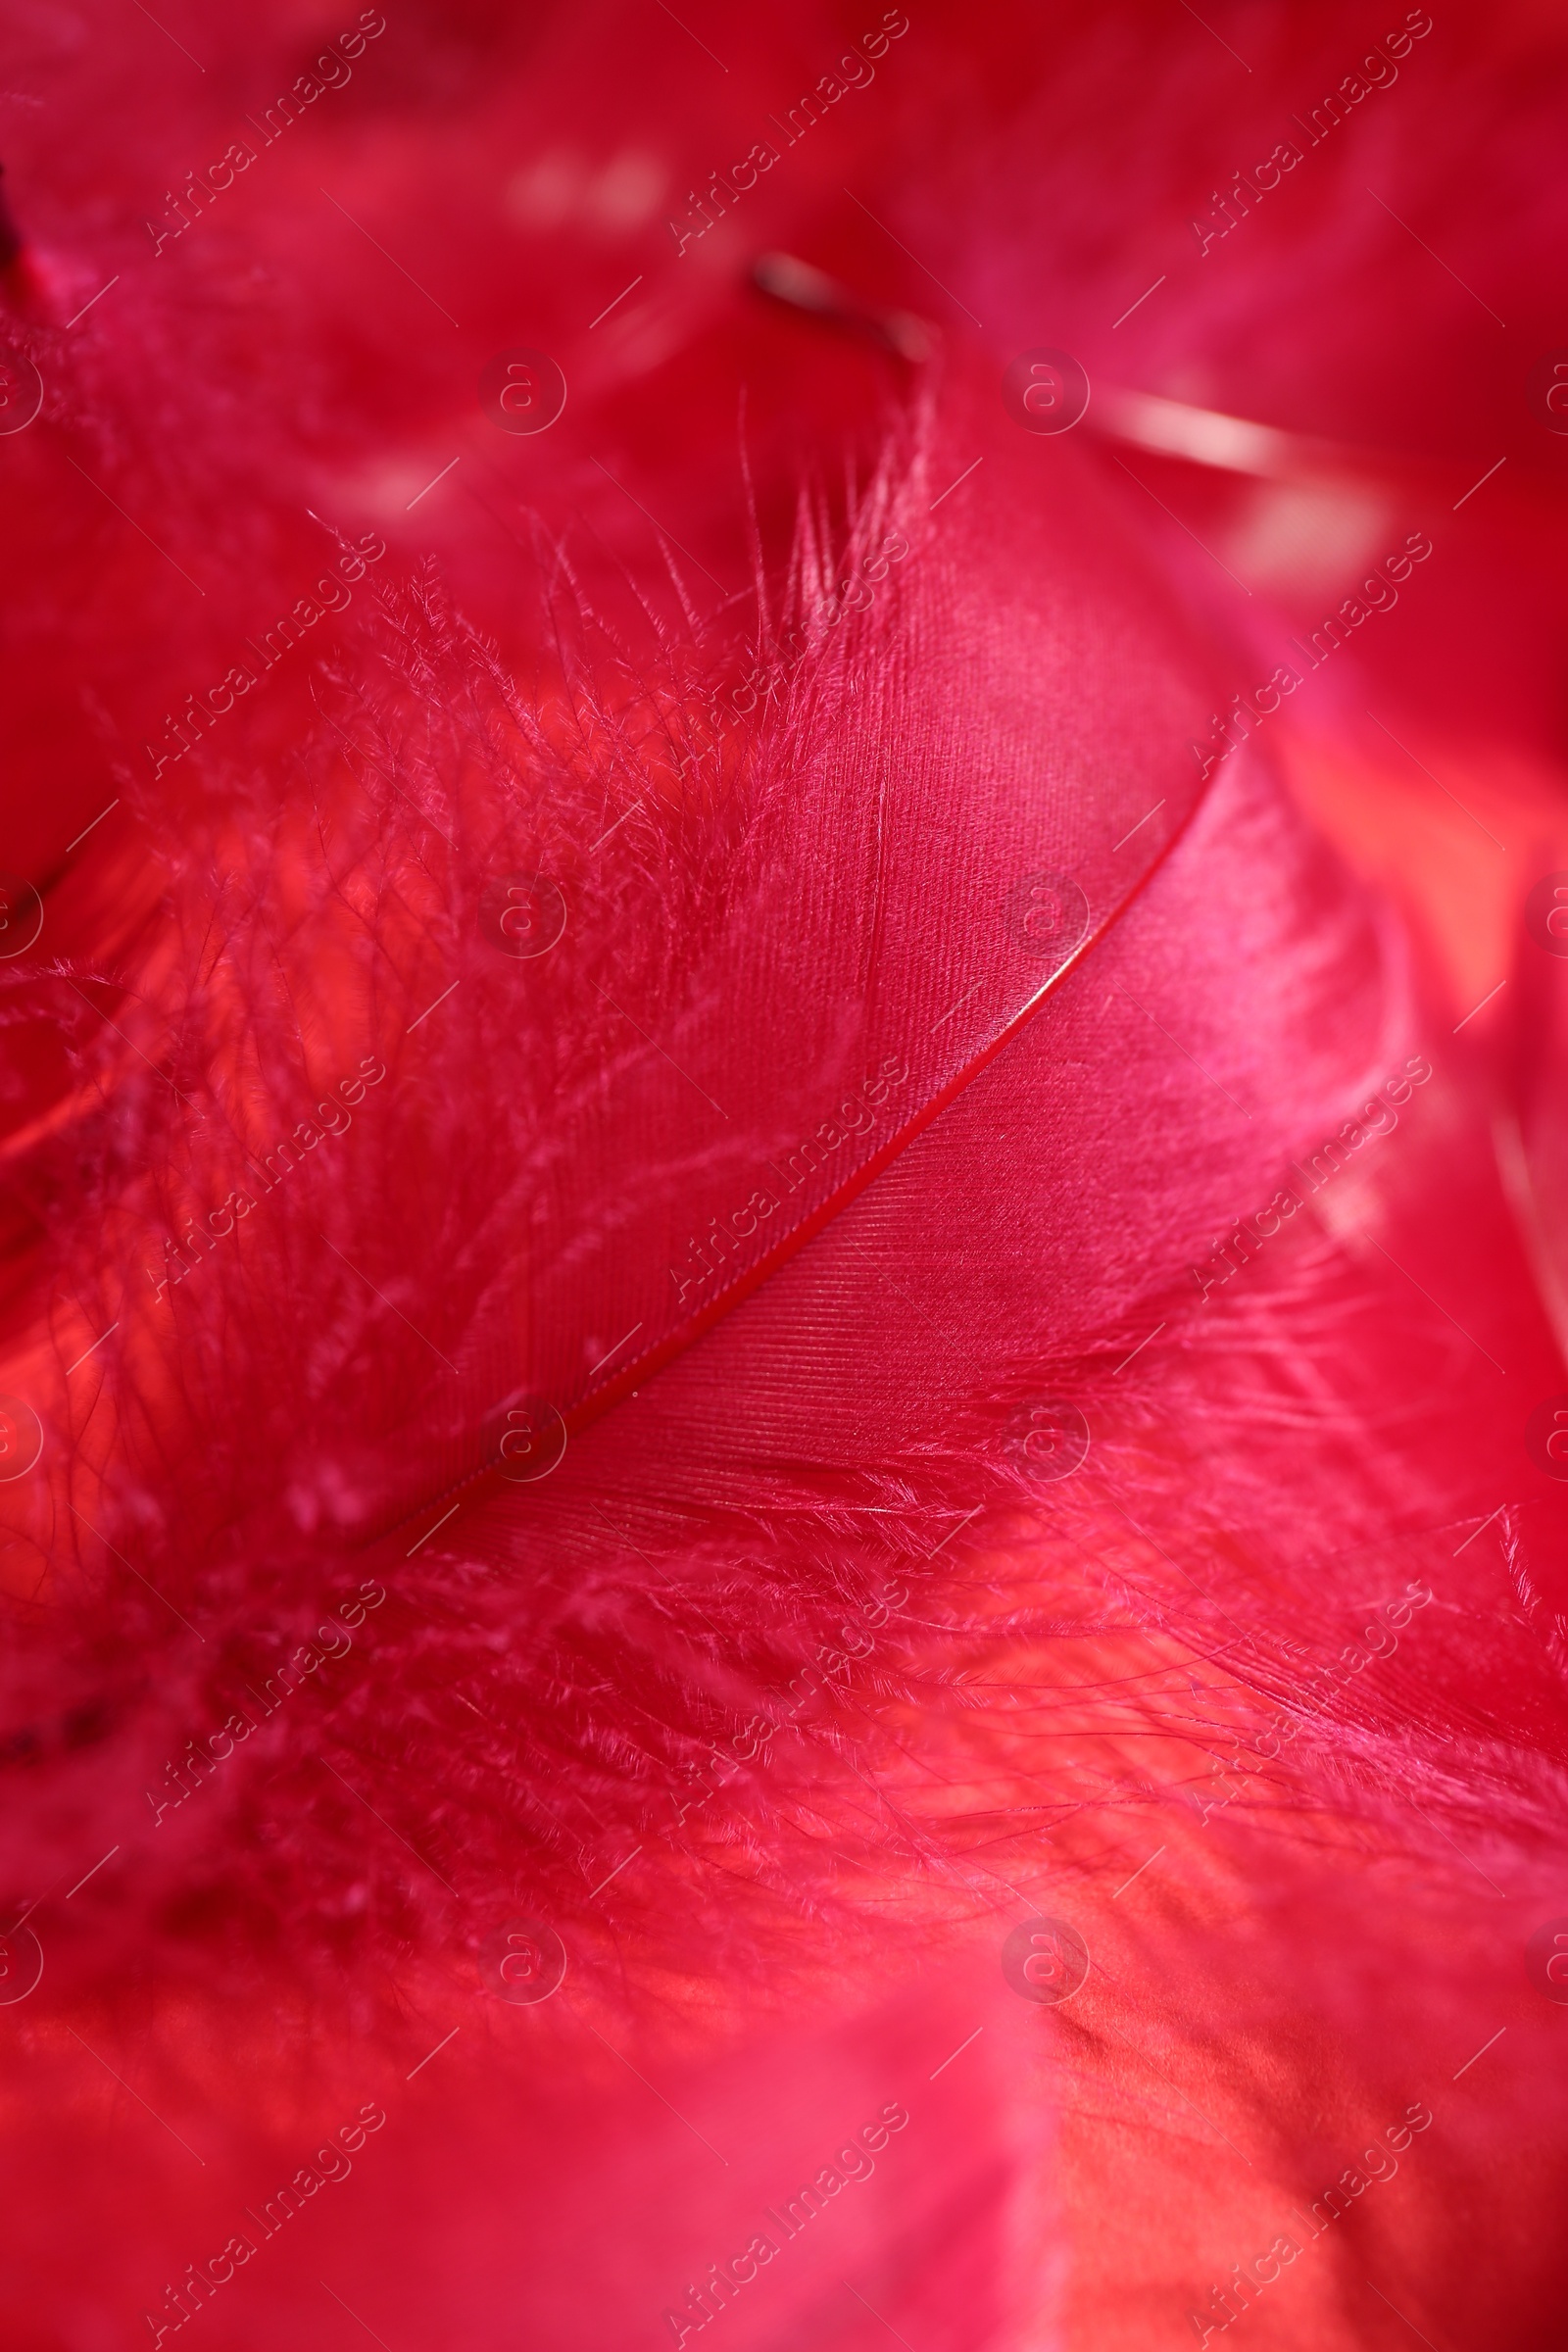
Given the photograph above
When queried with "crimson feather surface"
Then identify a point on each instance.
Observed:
(563, 1443)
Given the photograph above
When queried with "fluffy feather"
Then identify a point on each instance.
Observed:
(793, 1686)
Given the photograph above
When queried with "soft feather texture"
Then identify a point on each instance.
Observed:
(791, 1690)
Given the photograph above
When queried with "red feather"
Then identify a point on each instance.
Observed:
(744, 1294)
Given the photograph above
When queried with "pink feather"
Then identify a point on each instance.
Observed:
(722, 1277)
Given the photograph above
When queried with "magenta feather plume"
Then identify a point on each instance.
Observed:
(783, 1429)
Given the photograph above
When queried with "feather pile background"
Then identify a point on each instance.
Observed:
(785, 1282)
